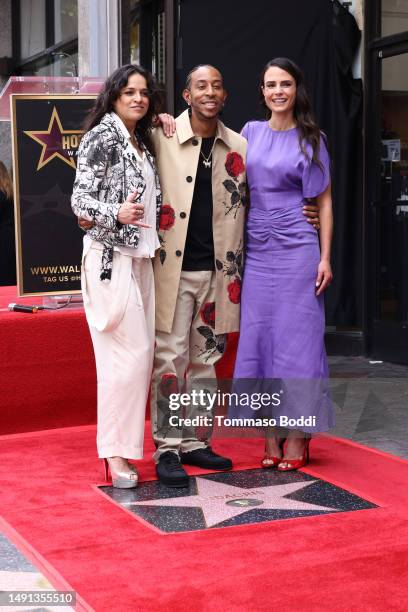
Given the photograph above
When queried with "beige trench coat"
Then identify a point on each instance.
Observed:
(177, 159)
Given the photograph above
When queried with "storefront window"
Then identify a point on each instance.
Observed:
(394, 17)
(61, 64)
(66, 19)
(393, 214)
(46, 42)
(134, 32)
(32, 27)
(143, 36)
(158, 51)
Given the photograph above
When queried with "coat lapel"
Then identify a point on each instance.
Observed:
(159, 197)
(127, 150)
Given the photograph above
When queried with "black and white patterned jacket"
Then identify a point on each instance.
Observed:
(107, 172)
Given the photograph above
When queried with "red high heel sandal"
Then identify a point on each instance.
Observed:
(269, 461)
(287, 465)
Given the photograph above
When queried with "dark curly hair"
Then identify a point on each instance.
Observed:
(308, 130)
(110, 93)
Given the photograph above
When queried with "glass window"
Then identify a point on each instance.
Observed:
(146, 36)
(43, 24)
(135, 31)
(394, 17)
(61, 64)
(66, 19)
(159, 59)
(32, 26)
(392, 229)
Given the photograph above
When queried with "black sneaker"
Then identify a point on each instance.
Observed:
(170, 472)
(206, 458)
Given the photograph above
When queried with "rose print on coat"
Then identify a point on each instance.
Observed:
(168, 384)
(211, 343)
(167, 217)
(207, 314)
(165, 386)
(232, 267)
(234, 291)
(166, 222)
(234, 165)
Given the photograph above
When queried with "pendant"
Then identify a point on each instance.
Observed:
(206, 163)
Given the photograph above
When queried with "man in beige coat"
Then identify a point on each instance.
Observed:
(197, 268)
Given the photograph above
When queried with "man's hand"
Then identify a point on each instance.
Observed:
(131, 213)
(85, 224)
(324, 276)
(311, 211)
(167, 124)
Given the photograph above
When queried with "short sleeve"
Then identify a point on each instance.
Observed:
(315, 178)
(245, 130)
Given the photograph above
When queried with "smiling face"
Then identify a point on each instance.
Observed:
(133, 102)
(279, 90)
(206, 94)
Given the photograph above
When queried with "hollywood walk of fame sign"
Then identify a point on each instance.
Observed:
(46, 135)
(235, 498)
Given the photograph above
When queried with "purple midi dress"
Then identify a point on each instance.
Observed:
(282, 320)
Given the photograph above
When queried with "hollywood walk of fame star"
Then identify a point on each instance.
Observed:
(220, 502)
(51, 141)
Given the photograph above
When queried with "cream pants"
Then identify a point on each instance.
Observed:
(120, 315)
(187, 354)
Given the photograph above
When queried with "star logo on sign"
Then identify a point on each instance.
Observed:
(220, 502)
(52, 142)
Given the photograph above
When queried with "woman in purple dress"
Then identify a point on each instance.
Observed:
(286, 270)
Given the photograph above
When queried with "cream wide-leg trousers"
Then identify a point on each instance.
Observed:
(120, 315)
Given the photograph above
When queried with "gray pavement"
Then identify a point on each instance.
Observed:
(371, 403)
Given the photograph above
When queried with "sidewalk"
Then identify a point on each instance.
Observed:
(371, 403)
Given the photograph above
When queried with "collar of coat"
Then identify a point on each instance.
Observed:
(128, 151)
(185, 132)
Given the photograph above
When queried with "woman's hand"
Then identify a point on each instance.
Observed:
(167, 124)
(324, 276)
(131, 213)
(324, 271)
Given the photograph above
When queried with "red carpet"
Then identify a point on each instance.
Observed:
(114, 562)
(47, 369)
(45, 568)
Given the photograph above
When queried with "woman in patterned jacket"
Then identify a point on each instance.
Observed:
(117, 191)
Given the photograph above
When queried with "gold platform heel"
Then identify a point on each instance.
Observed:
(121, 479)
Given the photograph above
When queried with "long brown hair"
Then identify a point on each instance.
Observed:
(111, 92)
(307, 128)
(5, 181)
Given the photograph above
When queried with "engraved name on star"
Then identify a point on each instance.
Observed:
(52, 142)
(213, 498)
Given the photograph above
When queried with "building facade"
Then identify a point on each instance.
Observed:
(93, 37)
